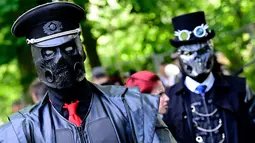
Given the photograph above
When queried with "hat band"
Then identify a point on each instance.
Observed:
(34, 41)
(199, 32)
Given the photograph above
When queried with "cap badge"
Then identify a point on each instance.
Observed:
(52, 27)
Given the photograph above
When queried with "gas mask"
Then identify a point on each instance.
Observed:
(60, 66)
(196, 59)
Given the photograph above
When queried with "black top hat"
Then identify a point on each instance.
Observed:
(190, 28)
(50, 24)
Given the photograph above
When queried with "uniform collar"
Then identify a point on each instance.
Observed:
(191, 84)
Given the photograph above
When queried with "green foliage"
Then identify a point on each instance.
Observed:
(14, 60)
(134, 30)
(133, 36)
(10, 90)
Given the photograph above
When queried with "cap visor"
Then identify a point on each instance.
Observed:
(55, 41)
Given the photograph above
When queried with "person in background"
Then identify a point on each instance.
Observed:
(162, 74)
(75, 110)
(16, 106)
(173, 73)
(220, 63)
(206, 106)
(116, 79)
(150, 83)
(37, 90)
(100, 77)
(169, 73)
(127, 74)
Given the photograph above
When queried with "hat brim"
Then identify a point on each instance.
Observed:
(177, 43)
(55, 41)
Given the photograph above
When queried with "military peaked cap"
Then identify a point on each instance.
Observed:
(50, 24)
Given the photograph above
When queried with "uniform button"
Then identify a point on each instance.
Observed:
(210, 101)
(193, 109)
(220, 121)
(199, 139)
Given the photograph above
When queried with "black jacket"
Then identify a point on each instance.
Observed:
(229, 96)
(116, 115)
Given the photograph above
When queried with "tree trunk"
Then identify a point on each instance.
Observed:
(89, 41)
(91, 45)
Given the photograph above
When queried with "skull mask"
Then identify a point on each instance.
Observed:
(60, 66)
(196, 59)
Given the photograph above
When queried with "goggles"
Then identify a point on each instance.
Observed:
(199, 32)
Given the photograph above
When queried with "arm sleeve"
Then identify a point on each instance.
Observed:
(7, 134)
(250, 101)
(249, 94)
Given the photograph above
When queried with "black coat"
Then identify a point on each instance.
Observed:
(229, 96)
(117, 114)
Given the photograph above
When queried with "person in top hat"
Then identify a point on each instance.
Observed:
(74, 109)
(205, 107)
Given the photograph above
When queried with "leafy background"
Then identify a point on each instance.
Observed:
(127, 34)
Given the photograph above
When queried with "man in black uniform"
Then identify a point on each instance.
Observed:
(75, 110)
(205, 107)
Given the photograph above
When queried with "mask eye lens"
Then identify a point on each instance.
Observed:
(200, 32)
(202, 51)
(186, 53)
(48, 52)
(69, 49)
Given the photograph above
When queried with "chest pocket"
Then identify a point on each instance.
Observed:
(64, 136)
(102, 131)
